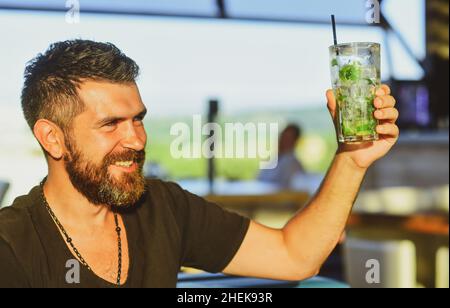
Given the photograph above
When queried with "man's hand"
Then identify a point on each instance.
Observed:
(364, 154)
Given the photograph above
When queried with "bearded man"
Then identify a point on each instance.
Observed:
(95, 209)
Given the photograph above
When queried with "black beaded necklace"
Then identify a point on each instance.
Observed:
(70, 242)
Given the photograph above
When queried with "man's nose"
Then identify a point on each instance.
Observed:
(135, 138)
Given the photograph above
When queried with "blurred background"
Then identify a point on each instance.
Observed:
(265, 61)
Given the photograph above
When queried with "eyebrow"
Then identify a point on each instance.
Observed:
(118, 119)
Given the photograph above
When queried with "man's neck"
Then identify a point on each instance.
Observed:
(71, 207)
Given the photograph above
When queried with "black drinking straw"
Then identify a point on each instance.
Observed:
(333, 22)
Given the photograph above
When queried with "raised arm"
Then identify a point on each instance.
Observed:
(298, 250)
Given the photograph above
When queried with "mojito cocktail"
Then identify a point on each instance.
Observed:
(355, 74)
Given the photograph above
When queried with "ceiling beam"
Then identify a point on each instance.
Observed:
(222, 13)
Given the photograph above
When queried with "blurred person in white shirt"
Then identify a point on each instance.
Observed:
(288, 164)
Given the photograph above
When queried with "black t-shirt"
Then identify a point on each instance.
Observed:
(168, 229)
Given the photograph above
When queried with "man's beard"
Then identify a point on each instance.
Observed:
(98, 185)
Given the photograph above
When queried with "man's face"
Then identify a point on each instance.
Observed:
(106, 144)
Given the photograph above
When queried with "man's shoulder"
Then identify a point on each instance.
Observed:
(16, 219)
(156, 182)
(161, 188)
(170, 194)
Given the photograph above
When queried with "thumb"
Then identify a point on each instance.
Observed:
(331, 103)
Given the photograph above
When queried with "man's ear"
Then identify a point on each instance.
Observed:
(51, 137)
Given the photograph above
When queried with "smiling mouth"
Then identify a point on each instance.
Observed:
(127, 163)
(126, 166)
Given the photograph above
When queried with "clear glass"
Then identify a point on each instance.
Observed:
(355, 75)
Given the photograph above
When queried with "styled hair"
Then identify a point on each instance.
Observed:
(52, 78)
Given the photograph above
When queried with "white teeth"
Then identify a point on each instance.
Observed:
(124, 163)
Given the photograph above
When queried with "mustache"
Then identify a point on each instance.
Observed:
(134, 156)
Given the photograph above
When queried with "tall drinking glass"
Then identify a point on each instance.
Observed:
(355, 75)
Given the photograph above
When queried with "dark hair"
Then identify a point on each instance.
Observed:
(295, 128)
(52, 78)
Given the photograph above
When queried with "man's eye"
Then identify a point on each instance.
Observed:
(110, 124)
(138, 120)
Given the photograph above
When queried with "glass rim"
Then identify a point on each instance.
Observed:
(355, 44)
